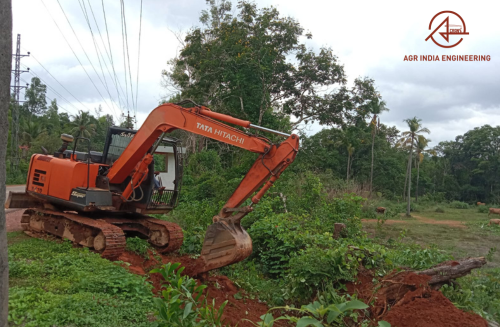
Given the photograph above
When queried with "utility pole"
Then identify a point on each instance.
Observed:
(130, 121)
(14, 141)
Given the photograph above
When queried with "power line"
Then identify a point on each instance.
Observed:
(109, 54)
(56, 80)
(138, 60)
(76, 56)
(84, 11)
(54, 91)
(128, 56)
(88, 58)
(123, 49)
(110, 50)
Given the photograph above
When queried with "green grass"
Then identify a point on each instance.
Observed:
(479, 291)
(475, 240)
(54, 284)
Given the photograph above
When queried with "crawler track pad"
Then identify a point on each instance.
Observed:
(224, 245)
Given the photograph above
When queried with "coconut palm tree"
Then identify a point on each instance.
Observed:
(31, 131)
(83, 126)
(375, 107)
(422, 143)
(349, 140)
(409, 139)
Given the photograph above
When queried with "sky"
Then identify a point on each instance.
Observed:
(371, 38)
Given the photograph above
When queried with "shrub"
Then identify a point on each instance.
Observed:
(138, 246)
(459, 205)
(180, 304)
(439, 210)
(194, 218)
(315, 268)
(318, 267)
(478, 292)
(482, 209)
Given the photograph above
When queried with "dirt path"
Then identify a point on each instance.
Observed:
(451, 223)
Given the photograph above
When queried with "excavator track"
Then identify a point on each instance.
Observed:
(107, 239)
(176, 236)
(164, 236)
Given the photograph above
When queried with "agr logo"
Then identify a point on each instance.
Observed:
(446, 29)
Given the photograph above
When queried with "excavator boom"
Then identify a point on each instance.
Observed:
(95, 199)
(226, 241)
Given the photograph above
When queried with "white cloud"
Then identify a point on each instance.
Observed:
(370, 38)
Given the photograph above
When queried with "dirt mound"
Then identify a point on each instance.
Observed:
(240, 305)
(430, 309)
(405, 299)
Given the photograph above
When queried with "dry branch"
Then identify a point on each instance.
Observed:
(449, 270)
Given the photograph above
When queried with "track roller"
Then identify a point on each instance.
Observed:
(164, 236)
(105, 238)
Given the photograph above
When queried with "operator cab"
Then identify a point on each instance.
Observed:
(157, 194)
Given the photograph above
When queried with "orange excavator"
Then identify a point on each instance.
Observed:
(97, 199)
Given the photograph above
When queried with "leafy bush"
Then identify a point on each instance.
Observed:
(439, 210)
(459, 205)
(181, 304)
(138, 246)
(194, 218)
(276, 239)
(482, 209)
(329, 310)
(478, 292)
(315, 268)
(314, 314)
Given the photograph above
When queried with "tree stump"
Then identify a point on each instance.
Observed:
(338, 230)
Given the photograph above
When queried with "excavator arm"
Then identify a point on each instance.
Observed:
(226, 242)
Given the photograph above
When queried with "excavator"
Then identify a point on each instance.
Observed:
(97, 199)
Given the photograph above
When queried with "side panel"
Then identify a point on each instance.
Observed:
(57, 177)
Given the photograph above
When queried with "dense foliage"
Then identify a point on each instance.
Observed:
(54, 284)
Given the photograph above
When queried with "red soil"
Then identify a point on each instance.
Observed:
(406, 300)
(431, 309)
(219, 288)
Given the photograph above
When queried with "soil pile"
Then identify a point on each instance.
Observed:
(431, 309)
(240, 305)
(405, 299)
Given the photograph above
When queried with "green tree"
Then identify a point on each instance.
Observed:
(31, 131)
(36, 103)
(420, 149)
(252, 65)
(375, 107)
(409, 139)
(83, 125)
(350, 138)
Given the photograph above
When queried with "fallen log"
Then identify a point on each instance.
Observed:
(448, 270)
(395, 286)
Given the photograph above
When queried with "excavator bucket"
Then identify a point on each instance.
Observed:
(225, 244)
